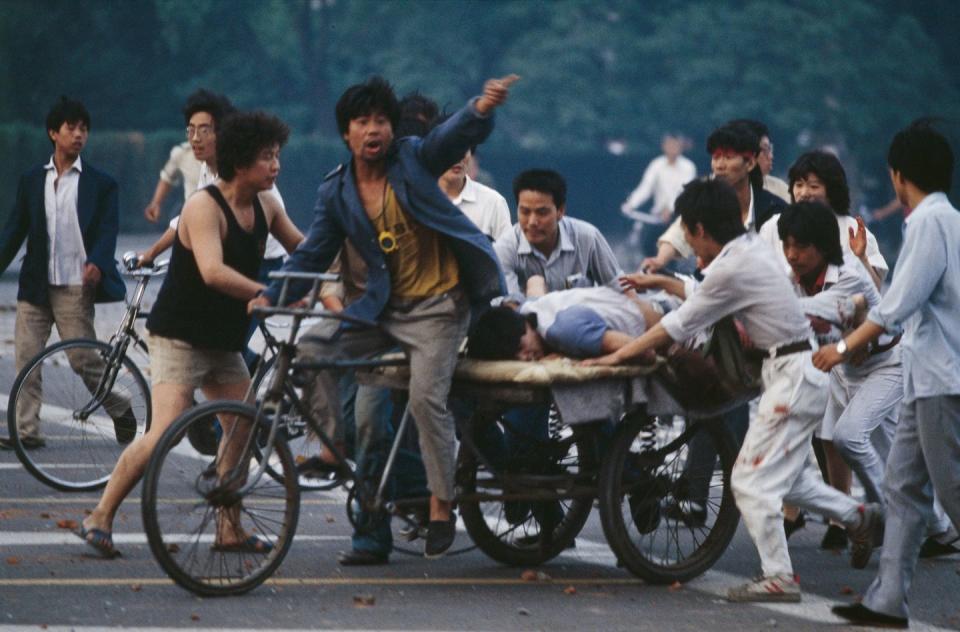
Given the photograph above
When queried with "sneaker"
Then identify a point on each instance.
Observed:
(415, 528)
(862, 535)
(777, 588)
(689, 512)
(835, 539)
(440, 537)
(934, 548)
(125, 427)
(859, 614)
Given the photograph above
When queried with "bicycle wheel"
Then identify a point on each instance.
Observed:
(645, 500)
(528, 533)
(191, 505)
(302, 441)
(87, 408)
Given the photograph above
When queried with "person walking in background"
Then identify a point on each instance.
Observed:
(182, 168)
(663, 181)
(67, 212)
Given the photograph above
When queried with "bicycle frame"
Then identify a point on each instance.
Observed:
(120, 341)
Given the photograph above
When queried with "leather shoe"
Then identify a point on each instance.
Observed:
(859, 614)
(356, 557)
(440, 536)
(934, 548)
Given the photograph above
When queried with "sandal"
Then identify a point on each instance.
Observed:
(99, 540)
(252, 544)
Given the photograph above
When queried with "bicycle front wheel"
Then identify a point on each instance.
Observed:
(207, 536)
(84, 406)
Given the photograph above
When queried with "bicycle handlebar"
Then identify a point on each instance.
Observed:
(133, 268)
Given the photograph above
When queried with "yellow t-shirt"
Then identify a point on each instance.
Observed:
(420, 262)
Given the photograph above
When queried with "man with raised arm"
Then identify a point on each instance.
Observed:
(427, 265)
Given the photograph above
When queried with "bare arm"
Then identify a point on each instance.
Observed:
(201, 231)
(640, 282)
(281, 226)
(665, 254)
(158, 247)
(636, 348)
(152, 212)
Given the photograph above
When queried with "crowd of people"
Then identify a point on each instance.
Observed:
(430, 254)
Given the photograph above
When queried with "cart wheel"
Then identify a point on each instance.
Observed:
(513, 532)
(659, 529)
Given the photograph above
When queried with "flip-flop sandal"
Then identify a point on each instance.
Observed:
(99, 540)
(252, 544)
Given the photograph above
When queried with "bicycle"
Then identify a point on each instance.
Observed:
(188, 498)
(92, 396)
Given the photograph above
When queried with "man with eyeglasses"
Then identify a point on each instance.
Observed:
(203, 113)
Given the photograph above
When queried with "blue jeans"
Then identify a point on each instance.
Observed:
(373, 410)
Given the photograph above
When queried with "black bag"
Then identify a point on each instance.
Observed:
(717, 374)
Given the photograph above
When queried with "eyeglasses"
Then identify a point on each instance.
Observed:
(200, 131)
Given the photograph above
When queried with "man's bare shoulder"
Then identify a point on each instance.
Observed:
(199, 208)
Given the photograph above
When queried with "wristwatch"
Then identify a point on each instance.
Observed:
(842, 348)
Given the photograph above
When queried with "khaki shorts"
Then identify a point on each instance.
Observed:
(177, 362)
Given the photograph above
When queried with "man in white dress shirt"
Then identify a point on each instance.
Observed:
(484, 206)
(662, 180)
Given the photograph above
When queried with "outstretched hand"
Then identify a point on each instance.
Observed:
(495, 92)
(858, 239)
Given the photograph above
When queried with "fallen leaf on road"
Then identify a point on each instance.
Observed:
(67, 524)
(173, 548)
(676, 586)
(136, 587)
(13, 561)
(363, 601)
(523, 612)
(194, 617)
(330, 518)
(529, 575)
(846, 590)
(45, 515)
(570, 590)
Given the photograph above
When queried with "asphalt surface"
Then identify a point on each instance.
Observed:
(49, 580)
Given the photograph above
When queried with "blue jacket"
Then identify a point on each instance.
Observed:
(413, 166)
(99, 217)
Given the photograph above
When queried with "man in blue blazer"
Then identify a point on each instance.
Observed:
(67, 212)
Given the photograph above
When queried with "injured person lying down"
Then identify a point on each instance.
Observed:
(579, 323)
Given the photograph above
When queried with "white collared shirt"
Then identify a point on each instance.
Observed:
(67, 253)
(485, 207)
(745, 280)
(581, 250)
(664, 182)
(182, 167)
(274, 249)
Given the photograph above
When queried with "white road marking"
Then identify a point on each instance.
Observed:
(32, 538)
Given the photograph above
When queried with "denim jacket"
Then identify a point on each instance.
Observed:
(413, 166)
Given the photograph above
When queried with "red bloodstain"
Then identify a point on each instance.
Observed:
(781, 409)
(757, 461)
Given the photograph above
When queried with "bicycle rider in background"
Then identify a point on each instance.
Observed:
(199, 320)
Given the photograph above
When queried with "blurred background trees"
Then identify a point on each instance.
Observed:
(602, 79)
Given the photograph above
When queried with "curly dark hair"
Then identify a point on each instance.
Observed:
(243, 136)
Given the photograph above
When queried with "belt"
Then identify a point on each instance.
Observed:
(776, 352)
(876, 349)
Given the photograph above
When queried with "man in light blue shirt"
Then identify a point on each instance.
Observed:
(545, 242)
(924, 300)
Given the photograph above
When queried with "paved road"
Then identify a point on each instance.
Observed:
(48, 579)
